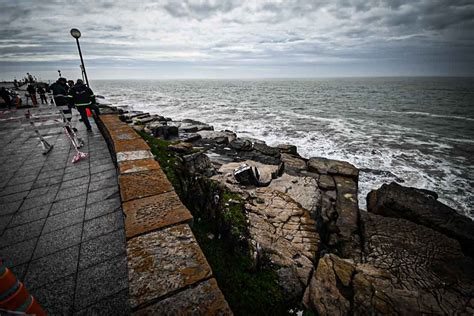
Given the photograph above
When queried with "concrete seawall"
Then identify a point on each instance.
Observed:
(168, 273)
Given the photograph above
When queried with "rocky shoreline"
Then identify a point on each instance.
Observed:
(407, 254)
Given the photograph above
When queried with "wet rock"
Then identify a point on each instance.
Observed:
(164, 131)
(347, 221)
(181, 148)
(241, 144)
(267, 150)
(421, 207)
(220, 137)
(425, 271)
(326, 182)
(322, 293)
(293, 163)
(334, 167)
(198, 163)
(189, 137)
(288, 149)
(289, 281)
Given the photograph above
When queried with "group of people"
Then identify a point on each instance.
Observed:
(75, 95)
(32, 94)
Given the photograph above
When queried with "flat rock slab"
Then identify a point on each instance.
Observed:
(162, 262)
(142, 184)
(138, 166)
(204, 299)
(150, 213)
(329, 166)
(134, 155)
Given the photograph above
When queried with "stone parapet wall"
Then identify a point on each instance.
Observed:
(168, 273)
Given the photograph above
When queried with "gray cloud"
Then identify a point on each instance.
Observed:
(365, 37)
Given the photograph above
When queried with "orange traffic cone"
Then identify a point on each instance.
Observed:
(14, 297)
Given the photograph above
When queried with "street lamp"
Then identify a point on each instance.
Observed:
(76, 34)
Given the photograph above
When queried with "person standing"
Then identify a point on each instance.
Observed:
(42, 94)
(32, 91)
(6, 97)
(60, 90)
(82, 97)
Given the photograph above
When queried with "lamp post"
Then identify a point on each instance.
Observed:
(76, 34)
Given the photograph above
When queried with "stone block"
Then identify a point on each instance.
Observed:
(162, 262)
(138, 166)
(204, 299)
(130, 145)
(142, 184)
(150, 213)
(134, 155)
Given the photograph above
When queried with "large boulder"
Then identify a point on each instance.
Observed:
(241, 144)
(219, 137)
(408, 270)
(421, 207)
(333, 167)
(267, 150)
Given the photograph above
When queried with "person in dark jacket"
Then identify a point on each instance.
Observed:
(6, 97)
(60, 90)
(42, 94)
(82, 98)
(32, 91)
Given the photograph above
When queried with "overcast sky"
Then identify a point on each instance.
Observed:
(237, 39)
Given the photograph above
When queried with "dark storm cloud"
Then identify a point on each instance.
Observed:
(399, 34)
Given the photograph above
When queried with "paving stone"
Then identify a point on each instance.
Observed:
(62, 220)
(56, 298)
(104, 194)
(39, 183)
(102, 225)
(20, 196)
(51, 268)
(116, 305)
(58, 240)
(20, 180)
(101, 281)
(204, 299)
(50, 173)
(37, 201)
(51, 190)
(101, 168)
(75, 182)
(16, 188)
(138, 165)
(17, 254)
(4, 221)
(17, 234)
(150, 213)
(68, 205)
(142, 184)
(10, 208)
(30, 215)
(102, 208)
(102, 248)
(75, 174)
(72, 192)
(134, 155)
(162, 262)
(102, 184)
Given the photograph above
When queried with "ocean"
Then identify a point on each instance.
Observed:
(416, 131)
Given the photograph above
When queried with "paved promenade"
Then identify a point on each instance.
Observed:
(61, 224)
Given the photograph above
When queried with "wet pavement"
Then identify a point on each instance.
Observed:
(61, 224)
